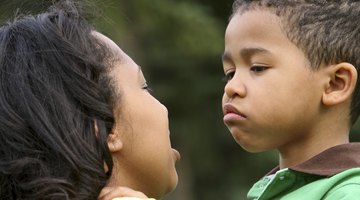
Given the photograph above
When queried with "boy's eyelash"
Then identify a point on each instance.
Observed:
(228, 76)
(254, 68)
(258, 68)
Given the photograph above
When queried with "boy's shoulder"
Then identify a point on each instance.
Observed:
(345, 186)
(332, 173)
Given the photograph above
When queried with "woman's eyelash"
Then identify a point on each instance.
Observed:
(146, 87)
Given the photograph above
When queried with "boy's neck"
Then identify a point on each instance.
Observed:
(293, 158)
(331, 129)
(295, 154)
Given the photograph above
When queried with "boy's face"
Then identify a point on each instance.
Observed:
(272, 99)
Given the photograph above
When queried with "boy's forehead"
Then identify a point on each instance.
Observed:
(253, 27)
(258, 32)
(258, 17)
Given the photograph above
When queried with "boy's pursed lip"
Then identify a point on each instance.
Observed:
(232, 114)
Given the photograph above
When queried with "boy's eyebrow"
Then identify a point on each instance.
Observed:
(246, 53)
(226, 57)
(249, 52)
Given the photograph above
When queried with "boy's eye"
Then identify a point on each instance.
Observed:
(229, 75)
(258, 68)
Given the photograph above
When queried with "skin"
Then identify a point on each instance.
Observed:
(140, 143)
(118, 193)
(273, 100)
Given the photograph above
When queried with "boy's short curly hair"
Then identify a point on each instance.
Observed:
(325, 30)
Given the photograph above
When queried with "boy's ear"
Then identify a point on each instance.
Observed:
(114, 142)
(341, 83)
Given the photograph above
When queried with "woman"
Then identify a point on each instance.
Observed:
(76, 115)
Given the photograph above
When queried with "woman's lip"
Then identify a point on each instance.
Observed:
(177, 154)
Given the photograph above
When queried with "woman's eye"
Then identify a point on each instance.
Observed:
(228, 76)
(258, 68)
(146, 87)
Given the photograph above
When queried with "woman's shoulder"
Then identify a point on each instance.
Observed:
(131, 198)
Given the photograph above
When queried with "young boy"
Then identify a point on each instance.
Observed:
(292, 71)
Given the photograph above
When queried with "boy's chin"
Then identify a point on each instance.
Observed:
(253, 149)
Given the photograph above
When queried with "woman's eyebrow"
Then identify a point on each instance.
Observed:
(139, 71)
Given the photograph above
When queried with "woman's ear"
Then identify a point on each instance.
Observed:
(341, 83)
(114, 142)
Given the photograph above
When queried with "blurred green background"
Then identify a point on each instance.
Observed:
(179, 44)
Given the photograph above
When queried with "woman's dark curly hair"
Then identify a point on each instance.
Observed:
(54, 91)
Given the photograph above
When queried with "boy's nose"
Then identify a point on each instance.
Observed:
(235, 87)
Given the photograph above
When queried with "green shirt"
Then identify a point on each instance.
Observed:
(331, 175)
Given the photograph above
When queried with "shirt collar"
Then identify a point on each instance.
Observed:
(331, 161)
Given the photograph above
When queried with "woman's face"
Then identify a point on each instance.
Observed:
(145, 161)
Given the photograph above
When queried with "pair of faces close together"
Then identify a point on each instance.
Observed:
(267, 68)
